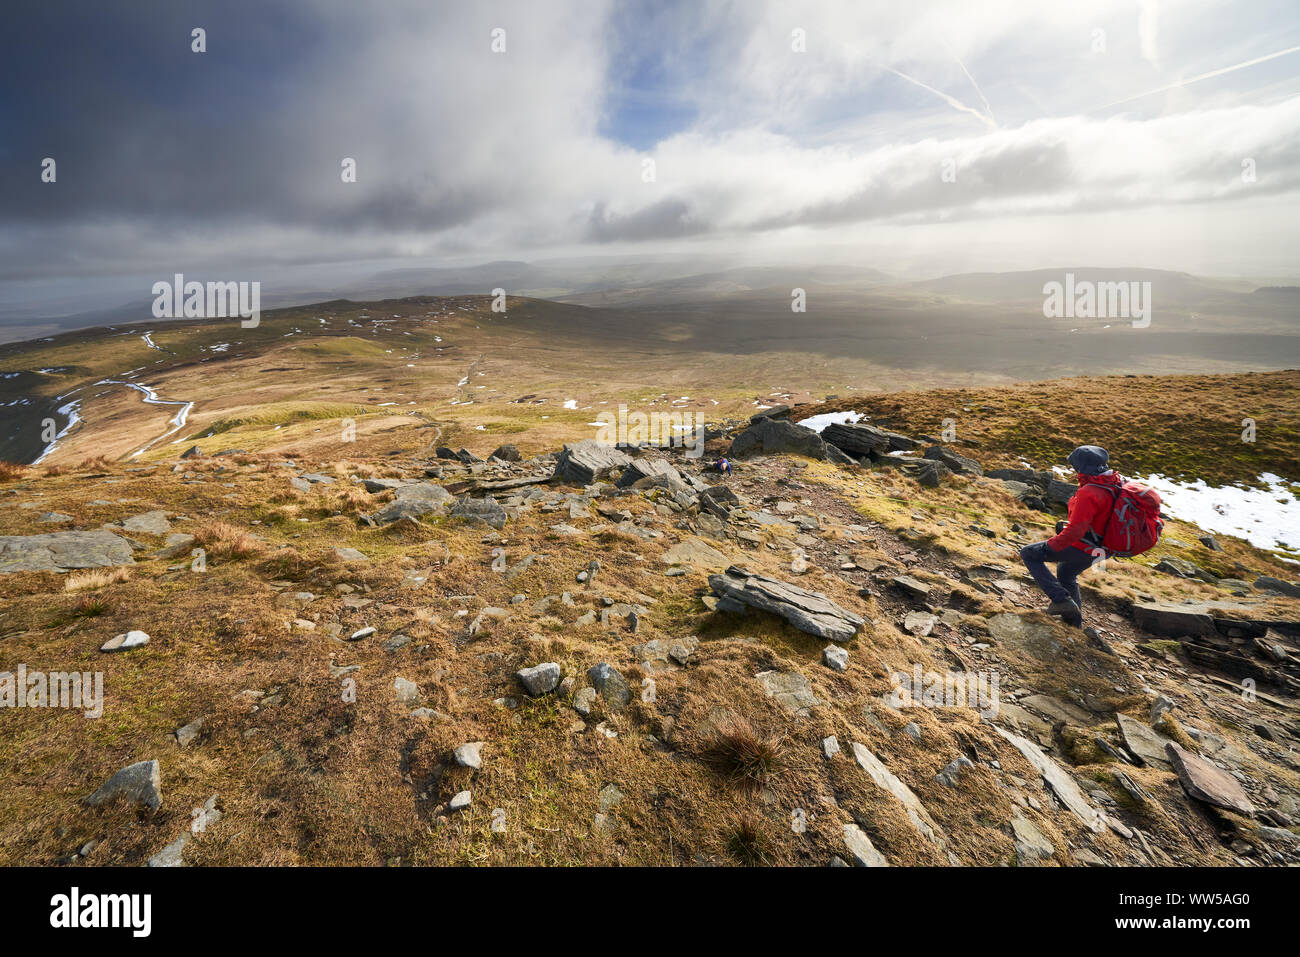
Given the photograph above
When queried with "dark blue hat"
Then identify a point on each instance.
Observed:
(1089, 460)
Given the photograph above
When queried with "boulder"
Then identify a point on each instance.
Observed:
(588, 461)
(486, 510)
(1058, 492)
(775, 436)
(648, 468)
(610, 685)
(175, 545)
(469, 755)
(1269, 583)
(835, 658)
(1022, 476)
(808, 611)
(929, 473)
(771, 412)
(140, 783)
(377, 485)
(539, 679)
(412, 501)
(1031, 845)
(151, 523)
(506, 453)
(718, 501)
(125, 641)
(957, 462)
(859, 441)
(1180, 567)
(1174, 620)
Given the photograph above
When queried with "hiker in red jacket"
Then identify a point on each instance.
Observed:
(1076, 546)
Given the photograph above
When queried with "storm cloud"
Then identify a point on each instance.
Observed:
(512, 128)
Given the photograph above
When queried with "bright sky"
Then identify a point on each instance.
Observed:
(934, 136)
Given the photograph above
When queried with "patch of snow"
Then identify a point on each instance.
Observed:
(70, 410)
(1266, 517)
(819, 422)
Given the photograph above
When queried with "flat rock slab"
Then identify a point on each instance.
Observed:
(1144, 743)
(861, 849)
(376, 485)
(1036, 638)
(808, 611)
(888, 781)
(790, 688)
(1179, 621)
(152, 523)
(696, 553)
(1057, 710)
(1062, 785)
(57, 551)
(1031, 845)
(1203, 781)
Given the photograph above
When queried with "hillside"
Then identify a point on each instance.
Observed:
(338, 679)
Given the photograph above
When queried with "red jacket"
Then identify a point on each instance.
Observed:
(1089, 510)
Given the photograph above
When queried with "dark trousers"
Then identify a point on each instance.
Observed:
(1070, 563)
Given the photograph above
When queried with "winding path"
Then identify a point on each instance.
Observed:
(177, 421)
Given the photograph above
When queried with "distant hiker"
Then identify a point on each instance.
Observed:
(723, 466)
(1108, 516)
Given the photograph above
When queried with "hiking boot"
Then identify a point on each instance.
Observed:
(1067, 611)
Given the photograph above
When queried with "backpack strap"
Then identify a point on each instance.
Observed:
(1116, 491)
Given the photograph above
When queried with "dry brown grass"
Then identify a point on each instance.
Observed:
(350, 499)
(308, 778)
(95, 578)
(11, 471)
(225, 540)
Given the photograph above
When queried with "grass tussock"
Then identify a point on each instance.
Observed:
(227, 541)
(91, 606)
(11, 471)
(95, 578)
(742, 753)
(288, 564)
(749, 843)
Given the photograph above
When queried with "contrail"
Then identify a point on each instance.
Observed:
(988, 109)
(983, 99)
(955, 103)
(1203, 76)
